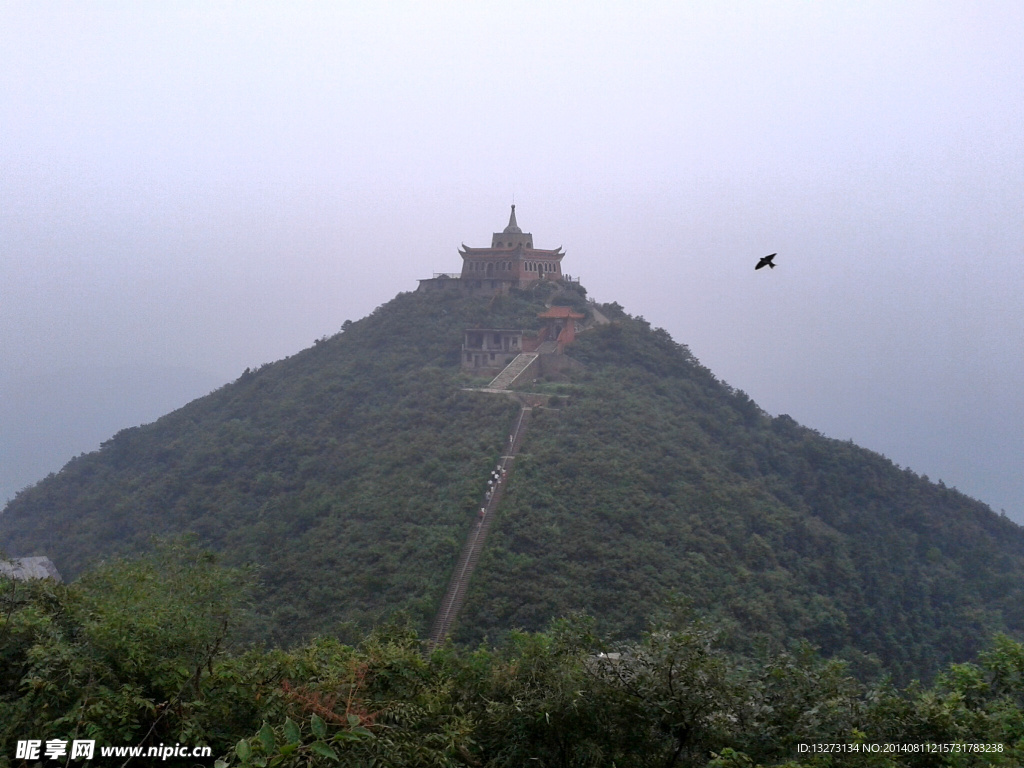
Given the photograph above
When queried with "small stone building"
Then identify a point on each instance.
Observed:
(490, 347)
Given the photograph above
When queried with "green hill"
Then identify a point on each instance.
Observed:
(351, 471)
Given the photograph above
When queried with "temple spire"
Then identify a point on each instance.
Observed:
(512, 226)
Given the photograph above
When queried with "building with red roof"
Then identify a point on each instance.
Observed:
(559, 325)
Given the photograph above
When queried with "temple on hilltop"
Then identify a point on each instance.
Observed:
(513, 262)
(510, 262)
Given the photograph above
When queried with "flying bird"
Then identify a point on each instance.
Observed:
(766, 261)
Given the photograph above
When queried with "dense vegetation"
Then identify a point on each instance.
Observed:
(141, 653)
(654, 479)
(348, 475)
(348, 472)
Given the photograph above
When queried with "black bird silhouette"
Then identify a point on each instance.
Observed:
(766, 261)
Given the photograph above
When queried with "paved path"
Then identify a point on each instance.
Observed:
(455, 595)
(512, 371)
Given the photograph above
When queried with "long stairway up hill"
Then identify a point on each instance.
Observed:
(455, 596)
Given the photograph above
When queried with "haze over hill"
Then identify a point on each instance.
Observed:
(351, 472)
(213, 187)
(45, 421)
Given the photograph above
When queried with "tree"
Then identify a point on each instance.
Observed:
(124, 656)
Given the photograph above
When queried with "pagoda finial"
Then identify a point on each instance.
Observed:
(512, 226)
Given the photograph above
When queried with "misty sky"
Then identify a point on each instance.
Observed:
(188, 189)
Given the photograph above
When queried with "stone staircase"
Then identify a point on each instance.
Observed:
(455, 595)
(513, 370)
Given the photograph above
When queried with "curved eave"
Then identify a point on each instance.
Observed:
(467, 251)
(518, 250)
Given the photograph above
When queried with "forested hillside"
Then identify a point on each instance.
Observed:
(655, 480)
(350, 472)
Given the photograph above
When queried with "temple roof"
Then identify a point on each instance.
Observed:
(512, 226)
(469, 251)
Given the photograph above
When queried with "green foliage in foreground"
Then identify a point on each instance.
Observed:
(140, 653)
